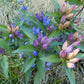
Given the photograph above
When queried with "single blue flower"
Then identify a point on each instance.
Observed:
(35, 53)
(13, 40)
(29, 57)
(26, 43)
(13, 25)
(47, 69)
(34, 29)
(22, 18)
(33, 65)
(48, 64)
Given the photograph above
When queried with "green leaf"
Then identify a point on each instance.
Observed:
(55, 34)
(51, 59)
(55, 43)
(29, 63)
(26, 48)
(37, 78)
(78, 2)
(41, 66)
(57, 6)
(27, 76)
(3, 28)
(29, 34)
(4, 65)
(70, 74)
(54, 14)
(80, 55)
(4, 45)
(81, 47)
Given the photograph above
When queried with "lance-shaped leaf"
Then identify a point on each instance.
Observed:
(4, 45)
(80, 55)
(70, 74)
(26, 48)
(57, 6)
(81, 47)
(27, 76)
(29, 63)
(37, 79)
(51, 59)
(55, 34)
(4, 65)
(3, 28)
(29, 34)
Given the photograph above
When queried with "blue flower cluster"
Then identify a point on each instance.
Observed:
(46, 21)
(24, 7)
(36, 31)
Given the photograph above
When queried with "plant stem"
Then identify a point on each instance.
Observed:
(80, 11)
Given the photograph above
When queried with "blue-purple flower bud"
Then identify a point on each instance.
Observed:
(37, 30)
(44, 39)
(40, 36)
(41, 16)
(17, 32)
(45, 46)
(69, 49)
(11, 36)
(33, 65)
(22, 54)
(37, 16)
(76, 43)
(48, 64)
(63, 19)
(36, 43)
(35, 53)
(34, 29)
(19, 35)
(1, 51)
(62, 53)
(70, 37)
(20, 1)
(29, 57)
(47, 69)
(50, 40)
(13, 25)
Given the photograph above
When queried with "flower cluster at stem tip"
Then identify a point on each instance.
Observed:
(67, 53)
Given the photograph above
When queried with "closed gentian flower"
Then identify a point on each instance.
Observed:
(17, 32)
(44, 39)
(70, 37)
(13, 25)
(70, 65)
(76, 43)
(11, 36)
(41, 16)
(62, 53)
(35, 53)
(40, 36)
(63, 19)
(34, 29)
(24, 7)
(50, 40)
(37, 30)
(36, 43)
(37, 16)
(45, 46)
(48, 28)
(22, 18)
(69, 49)
(1, 51)
(19, 35)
